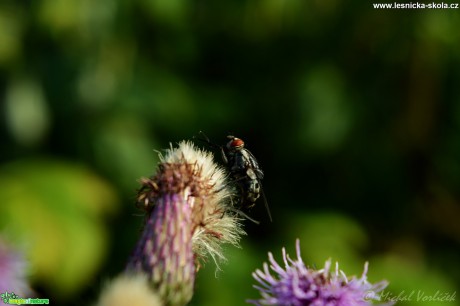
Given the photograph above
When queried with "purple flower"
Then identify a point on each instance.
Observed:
(13, 271)
(296, 285)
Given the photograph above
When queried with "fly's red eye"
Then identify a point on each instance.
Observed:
(237, 143)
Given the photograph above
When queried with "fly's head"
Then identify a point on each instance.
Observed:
(235, 144)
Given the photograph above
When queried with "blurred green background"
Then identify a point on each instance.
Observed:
(353, 114)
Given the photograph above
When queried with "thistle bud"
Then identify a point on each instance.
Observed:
(187, 220)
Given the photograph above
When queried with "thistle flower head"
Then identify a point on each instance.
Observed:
(296, 285)
(187, 219)
(128, 290)
(13, 271)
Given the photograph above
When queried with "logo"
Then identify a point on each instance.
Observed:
(13, 299)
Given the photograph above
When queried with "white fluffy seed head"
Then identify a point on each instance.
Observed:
(205, 168)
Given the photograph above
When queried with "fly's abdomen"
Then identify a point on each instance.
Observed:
(252, 192)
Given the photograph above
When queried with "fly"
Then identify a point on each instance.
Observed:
(244, 171)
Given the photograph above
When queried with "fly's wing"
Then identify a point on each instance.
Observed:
(251, 173)
(259, 173)
(254, 164)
